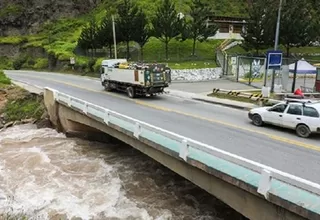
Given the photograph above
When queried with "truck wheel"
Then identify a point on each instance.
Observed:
(131, 92)
(107, 86)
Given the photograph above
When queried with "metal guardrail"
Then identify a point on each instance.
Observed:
(266, 173)
(252, 96)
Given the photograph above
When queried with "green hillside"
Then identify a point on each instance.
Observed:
(60, 37)
(236, 8)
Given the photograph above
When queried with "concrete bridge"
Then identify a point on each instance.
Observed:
(256, 190)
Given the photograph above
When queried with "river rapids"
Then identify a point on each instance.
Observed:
(44, 175)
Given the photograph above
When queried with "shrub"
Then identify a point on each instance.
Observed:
(91, 64)
(29, 106)
(97, 65)
(41, 63)
(5, 63)
(18, 63)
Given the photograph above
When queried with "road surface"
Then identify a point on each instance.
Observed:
(206, 87)
(222, 127)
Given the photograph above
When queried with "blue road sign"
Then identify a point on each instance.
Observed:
(274, 59)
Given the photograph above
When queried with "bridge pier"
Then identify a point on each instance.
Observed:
(238, 195)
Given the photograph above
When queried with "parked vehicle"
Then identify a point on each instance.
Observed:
(300, 115)
(136, 79)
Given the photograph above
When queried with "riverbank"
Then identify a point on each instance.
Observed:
(18, 106)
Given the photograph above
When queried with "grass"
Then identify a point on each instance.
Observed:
(154, 50)
(13, 40)
(4, 80)
(22, 105)
(239, 98)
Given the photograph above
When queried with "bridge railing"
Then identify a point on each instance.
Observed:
(183, 145)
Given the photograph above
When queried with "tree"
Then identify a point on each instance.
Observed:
(166, 23)
(105, 34)
(297, 24)
(88, 36)
(259, 31)
(142, 31)
(197, 28)
(126, 24)
(315, 5)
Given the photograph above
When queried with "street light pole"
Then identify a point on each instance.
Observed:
(114, 37)
(276, 42)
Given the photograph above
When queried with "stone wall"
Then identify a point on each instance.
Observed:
(15, 50)
(196, 74)
(9, 50)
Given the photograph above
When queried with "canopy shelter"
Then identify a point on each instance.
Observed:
(303, 67)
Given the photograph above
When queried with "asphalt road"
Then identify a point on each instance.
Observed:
(225, 128)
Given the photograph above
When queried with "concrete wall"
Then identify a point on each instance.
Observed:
(238, 195)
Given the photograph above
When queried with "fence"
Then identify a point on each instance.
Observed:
(252, 71)
(176, 53)
(265, 176)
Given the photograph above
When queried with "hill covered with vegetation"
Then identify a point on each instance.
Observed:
(55, 29)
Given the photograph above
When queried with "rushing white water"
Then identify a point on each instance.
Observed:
(45, 175)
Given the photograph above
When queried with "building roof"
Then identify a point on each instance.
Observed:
(228, 19)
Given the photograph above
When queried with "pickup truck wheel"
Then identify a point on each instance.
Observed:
(257, 120)
(303, 131)
(131, 92)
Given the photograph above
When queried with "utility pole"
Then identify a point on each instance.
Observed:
(276, 42)
(114, 37)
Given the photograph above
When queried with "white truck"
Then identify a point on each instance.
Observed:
(136, 79)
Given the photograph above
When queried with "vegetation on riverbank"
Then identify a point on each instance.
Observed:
(4, 80)
(18, 106)
(22, 105)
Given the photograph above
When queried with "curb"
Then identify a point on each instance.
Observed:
(223, 104)
(30, 85)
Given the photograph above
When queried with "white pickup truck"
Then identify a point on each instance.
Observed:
(136, 79)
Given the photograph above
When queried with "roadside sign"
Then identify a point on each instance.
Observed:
(72, 60)
(274, 59)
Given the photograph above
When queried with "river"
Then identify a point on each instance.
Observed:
(44, 175)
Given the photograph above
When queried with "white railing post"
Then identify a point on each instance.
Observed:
(106, 118)
(85, 108)
(184, 150)
(55, 95)
(137, 130)
(69, 101)
(265, 183)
